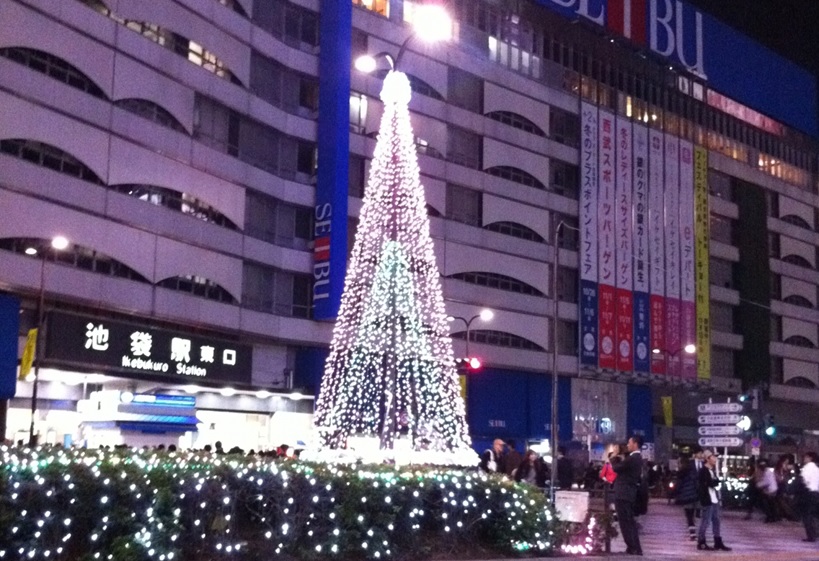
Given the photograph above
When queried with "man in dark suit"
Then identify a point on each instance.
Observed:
(629, 472)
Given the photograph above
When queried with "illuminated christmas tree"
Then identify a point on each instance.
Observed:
(391, 371)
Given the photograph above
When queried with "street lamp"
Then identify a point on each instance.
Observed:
(436, 26)
(554, 436)
(59, 243)
(484, 315)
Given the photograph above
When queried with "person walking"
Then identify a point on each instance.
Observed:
(511, 459)
(531, 470)
(492, 458)
(629, 472)
(688, 493)
(709, 493)
(768, 488)
(565, 470)
(810, 502)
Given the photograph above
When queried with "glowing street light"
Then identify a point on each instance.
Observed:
(485, 315)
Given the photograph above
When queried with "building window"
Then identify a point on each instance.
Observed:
(182, 202)
(357, 176)
(499, 339)
(564, 178)
(151, 111)
(797, 260)
(721, 229)
(358, 113)
(464, 147)
(282, 87)
(259, 145)
(517, 175)
(773, 245)
(567, 337)
(722, 362)
(275, 291)
(515, 230)
(378, 6)
(234, 5)
(277, 222)
(48, 156)
(464, 90)
(564, 127)
(798, 300)
(719, 185)
(294, 25)
(797, 221)
(500, 282)
(721, 272)
(722, 317)
(516, 121)
(568, 286)
(776, 328)
(799, 341)
(464, 205)
(74, 256)
(53, 67)
(198, 286)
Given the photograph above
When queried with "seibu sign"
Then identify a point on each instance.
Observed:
(137, 349)
(670, 28)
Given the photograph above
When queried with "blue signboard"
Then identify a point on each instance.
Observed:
(9, 335)
(330, 230)
(642, 352)
(588, 323)
(638, 412)
(731, 63)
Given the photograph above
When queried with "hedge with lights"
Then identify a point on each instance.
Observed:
(141, 506)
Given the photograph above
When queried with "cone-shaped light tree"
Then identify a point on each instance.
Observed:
(391, 371)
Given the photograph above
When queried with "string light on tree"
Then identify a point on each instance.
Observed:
(391, 371)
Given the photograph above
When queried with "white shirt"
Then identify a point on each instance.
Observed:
(810, 475)
(768, 482)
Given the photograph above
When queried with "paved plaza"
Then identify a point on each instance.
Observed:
(664, 536)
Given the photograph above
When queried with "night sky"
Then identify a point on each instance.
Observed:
(788, 27)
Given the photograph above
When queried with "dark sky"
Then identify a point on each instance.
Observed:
(788, 27)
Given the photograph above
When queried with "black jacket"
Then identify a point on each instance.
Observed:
(707, 481)
(628, 477)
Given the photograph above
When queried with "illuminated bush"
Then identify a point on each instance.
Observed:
(140, 506)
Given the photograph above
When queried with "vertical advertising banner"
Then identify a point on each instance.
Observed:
(624, 239)
(688, 326)
(642, 347)
(702, 219)
(672, 255)
(588, 236)
(656, 251)
(607, 263)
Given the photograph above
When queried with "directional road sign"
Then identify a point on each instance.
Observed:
(731, 407)
(719, 419)
(721, 441)
(719, 430)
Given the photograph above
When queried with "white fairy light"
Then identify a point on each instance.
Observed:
(391, 367)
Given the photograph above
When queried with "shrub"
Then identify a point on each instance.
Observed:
(142, 505)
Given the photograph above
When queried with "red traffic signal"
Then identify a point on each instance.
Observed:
(469, 364)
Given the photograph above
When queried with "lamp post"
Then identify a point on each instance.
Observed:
(554, 421)
(485, 315)
(58, 243)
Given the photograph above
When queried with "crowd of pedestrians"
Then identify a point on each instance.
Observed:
(780, 490)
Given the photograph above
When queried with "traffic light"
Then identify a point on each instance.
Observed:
(468, 364)
(770, 426)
